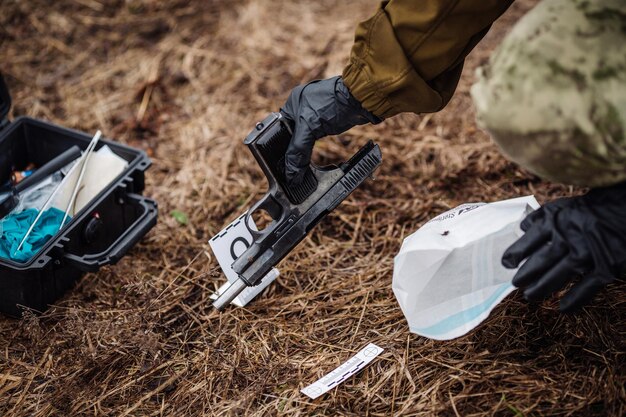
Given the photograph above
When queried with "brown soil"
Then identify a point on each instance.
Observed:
(186, 81)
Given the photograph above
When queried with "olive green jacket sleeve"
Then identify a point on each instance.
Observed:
(408, 57)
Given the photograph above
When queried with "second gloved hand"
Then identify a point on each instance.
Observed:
(580, 236)
(314, 110)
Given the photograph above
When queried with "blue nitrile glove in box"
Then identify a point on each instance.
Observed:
(15, 225)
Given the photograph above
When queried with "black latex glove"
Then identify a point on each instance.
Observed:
(579, 236)
(317, 109)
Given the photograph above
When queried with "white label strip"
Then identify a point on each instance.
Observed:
(347, 369)
(227, 246)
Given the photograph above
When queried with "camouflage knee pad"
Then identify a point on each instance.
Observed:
(553, 95)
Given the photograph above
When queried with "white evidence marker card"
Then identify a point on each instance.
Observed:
(227, 246)
(344, 371)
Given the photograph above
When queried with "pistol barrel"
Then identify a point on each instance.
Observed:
(225, 298)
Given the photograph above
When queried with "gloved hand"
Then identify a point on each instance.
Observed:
(579, 236)
(317, 109)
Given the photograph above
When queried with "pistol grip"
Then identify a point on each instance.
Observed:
(268, 143)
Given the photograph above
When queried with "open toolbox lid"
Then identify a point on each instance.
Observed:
(5, 101)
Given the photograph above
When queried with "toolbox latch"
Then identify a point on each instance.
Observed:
(129, 238)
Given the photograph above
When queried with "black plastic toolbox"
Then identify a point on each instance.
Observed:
(100, 234)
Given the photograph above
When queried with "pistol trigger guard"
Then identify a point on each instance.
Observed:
(272, 207)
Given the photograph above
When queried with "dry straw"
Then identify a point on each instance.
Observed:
(185, 81)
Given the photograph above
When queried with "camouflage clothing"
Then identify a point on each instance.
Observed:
(408, 57)
(553, 95)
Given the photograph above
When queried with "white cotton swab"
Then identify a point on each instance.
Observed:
(81, 163)
(85, 161)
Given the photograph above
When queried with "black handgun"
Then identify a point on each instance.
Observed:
(294, 210)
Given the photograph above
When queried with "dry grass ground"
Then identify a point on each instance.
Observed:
(185, 81)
